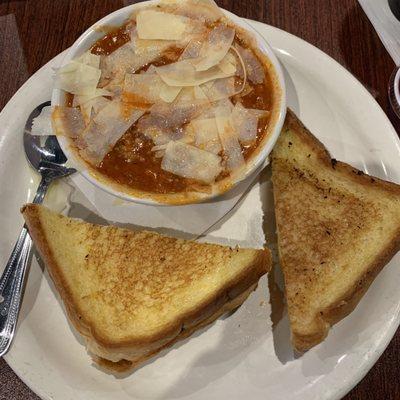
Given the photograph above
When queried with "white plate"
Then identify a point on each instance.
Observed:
(240, 356)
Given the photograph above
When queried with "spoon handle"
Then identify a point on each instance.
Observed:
(13, 278)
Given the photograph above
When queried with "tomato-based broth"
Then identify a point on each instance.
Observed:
(135, 160)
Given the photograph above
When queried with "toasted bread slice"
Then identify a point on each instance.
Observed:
(337, 227)
(129, 293)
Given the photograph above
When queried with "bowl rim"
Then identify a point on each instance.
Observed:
(260, 161)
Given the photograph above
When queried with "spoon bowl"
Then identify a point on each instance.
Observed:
(41, 148)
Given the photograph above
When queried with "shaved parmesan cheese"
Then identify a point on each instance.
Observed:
(192, 50)
(155, 128)
(81, 99)
(207, 113)
(254, 68)
(223, 108)
(119, 62)
(244, 71)
(159, 147)
(183, 73)
(199, 93)
(77, 78)
(143, 46)
(215, 48)
(206, 10)
(86, 102)
(80, 76)
(153, 24)
(71, 119)
(86, 110)
(154, 47)
(220, 89)
(89, 59)
(190, 162)
(124, 60)
(41, 125)
(92, 107)
(169, 93)
(105, 130)
(192, 94)
(162, 147)
(114, 87)
(186, 95)
(99, 103)
(155, 134)
(245, 122)
(229, 139)
(165, 92)
(179, 113)
(206, 135)
(188, 137)
(159, 151)
(164, 122)
(228, 65)
(176, 115)
(150, 87)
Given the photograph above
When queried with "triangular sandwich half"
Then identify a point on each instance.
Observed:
(131, 294)
(337, 228)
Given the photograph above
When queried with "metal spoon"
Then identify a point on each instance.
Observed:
(394, 91)
(48, 159)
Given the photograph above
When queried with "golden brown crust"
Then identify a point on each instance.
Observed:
(32, 219)
(248, 277)
(346, 302)
(355, 175)
(125, 365)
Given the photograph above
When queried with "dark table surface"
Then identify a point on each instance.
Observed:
(34, 31)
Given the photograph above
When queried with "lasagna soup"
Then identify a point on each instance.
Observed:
(176, 101)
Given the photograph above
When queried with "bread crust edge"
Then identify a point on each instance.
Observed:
(344, 305)
(248, 277)
(356, 175)
(128, 366)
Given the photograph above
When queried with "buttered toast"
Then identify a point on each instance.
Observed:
(337, 228)
(131, 294)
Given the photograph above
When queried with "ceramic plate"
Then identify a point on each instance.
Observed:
(246, 355)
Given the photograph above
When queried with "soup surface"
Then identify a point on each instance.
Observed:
(140, 157)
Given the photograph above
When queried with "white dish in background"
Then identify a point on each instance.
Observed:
(118, 18)
(240, 356)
